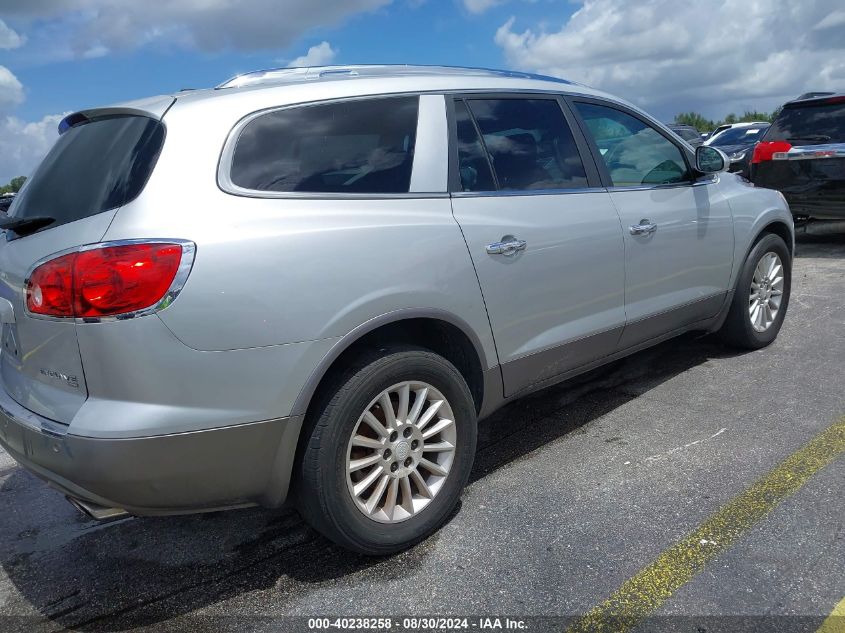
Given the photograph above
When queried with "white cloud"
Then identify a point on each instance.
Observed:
(319, 55)
(93, 27)
(11, 90)
(663, 54)
(9, 38)
(23, 145)
(480, 6)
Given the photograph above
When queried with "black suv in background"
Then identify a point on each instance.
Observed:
(803, 156)
(687, 132)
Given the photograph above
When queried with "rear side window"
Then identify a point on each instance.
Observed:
(819, 123)
(529, 143)
(364, 146)
(635, 153)
(473, 165)
(93, 167)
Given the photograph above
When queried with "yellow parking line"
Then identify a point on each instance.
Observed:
(642, 594)
(835, 622)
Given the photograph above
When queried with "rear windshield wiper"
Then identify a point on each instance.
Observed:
(25, 226)
(809, 137)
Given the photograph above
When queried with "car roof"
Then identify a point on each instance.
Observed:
(285, 86)
(815, 97)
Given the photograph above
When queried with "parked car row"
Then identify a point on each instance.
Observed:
(801, 154)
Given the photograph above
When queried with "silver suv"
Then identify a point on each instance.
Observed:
(307, 285)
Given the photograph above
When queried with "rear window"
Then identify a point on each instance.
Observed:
(362, 146)
(686, 133)
(818, 123)
(740, 135)
(93, 167)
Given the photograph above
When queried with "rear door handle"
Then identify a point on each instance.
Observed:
(508, 246)
(643, 228)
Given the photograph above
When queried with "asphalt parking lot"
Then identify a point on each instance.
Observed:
(576, 490)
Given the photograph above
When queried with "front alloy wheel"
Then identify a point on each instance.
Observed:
(766, 292)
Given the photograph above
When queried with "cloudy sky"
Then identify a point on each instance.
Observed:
(719, 56)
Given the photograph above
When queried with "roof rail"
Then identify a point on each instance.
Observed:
(314, 73)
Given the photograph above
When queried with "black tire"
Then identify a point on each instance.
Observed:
(323, 496)
(737, 329)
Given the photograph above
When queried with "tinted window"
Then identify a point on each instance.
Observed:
(687, 134)
(635, 153)
(473, 165)
(352, 147)
(740, 135)
(93, 167)
(530, 143)
(821, 123)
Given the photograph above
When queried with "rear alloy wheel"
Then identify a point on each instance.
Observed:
(387, 450)
(761, 297)
(401, 452)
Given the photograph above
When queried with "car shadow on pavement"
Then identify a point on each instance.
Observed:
(820, 240)
(136, 572)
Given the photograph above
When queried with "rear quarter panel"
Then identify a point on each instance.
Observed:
(279, 271)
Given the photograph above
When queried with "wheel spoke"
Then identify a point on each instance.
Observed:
(437, 469)
(367, 481)
(390, 499)
(421, 485)
(429, 414)
(378, 493)
(373, 422)
(434, 430)
(366, 442)
(772, 262)
(438, 447)
(422, 394)
(407, 495)
(369, 460)
(387, 408)
(404, 397)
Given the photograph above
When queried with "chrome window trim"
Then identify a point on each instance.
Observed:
(224, 164)
(670, 185)
(189, 250)
(526, 192)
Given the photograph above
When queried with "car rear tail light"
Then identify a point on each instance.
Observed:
(110, 279)
(765, 150)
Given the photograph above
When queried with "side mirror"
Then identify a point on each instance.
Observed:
(710, 160)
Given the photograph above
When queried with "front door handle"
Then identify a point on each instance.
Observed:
(508, 246)
(643, 228)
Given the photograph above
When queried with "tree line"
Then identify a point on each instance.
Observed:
(14, 185)
(703, 124)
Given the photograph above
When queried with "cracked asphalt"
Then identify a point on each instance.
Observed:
(575, 489)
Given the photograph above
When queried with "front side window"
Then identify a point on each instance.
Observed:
(634, 152)
(529, 143)
(364, 146)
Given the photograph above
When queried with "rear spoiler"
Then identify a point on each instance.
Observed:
(153, 107)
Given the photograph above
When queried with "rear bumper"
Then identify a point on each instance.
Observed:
(234, 466)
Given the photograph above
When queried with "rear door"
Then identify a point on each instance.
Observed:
(544, 237)
(803, 156)
(678, 230)
(95, 167)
